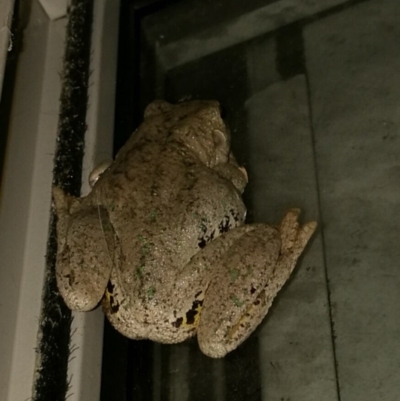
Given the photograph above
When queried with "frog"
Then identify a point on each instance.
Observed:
(161, 241)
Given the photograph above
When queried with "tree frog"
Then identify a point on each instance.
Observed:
(161, 240)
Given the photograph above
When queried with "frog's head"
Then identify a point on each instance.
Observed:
(85, 254)
(197, 125)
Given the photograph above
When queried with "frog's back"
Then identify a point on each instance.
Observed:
(159, 244)
(167, 199)
(159, 233)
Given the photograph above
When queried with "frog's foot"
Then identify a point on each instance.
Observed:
(86, 248)
(294, 239)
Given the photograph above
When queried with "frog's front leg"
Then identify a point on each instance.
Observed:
(246, 279)
(87, 250)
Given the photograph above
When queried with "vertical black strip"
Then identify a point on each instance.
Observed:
(289, 51)
(125, 120)
(74, 98)
(114, 366)
(243, 375)
(140, 370)
(16, 37)
(54, 345)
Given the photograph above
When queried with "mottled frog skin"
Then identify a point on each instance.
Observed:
(161, 243)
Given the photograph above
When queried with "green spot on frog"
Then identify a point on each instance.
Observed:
(153, 215)
(237, 301)
(145, 249)
(234, 274)
(203, 220)
(111, 206)
(150, 292)
(106, 227)
(139, 271)
(203, 226)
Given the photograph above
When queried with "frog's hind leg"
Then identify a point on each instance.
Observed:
(185, 303)
(246, 281)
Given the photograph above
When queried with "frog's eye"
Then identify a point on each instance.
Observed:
(98, 171)
(220, 139)
(157, 107)
(221, 146)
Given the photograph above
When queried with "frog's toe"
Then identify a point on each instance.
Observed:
(305, 233)
(289, 228)
(83, 296)
(213, 349)
(294, 238)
